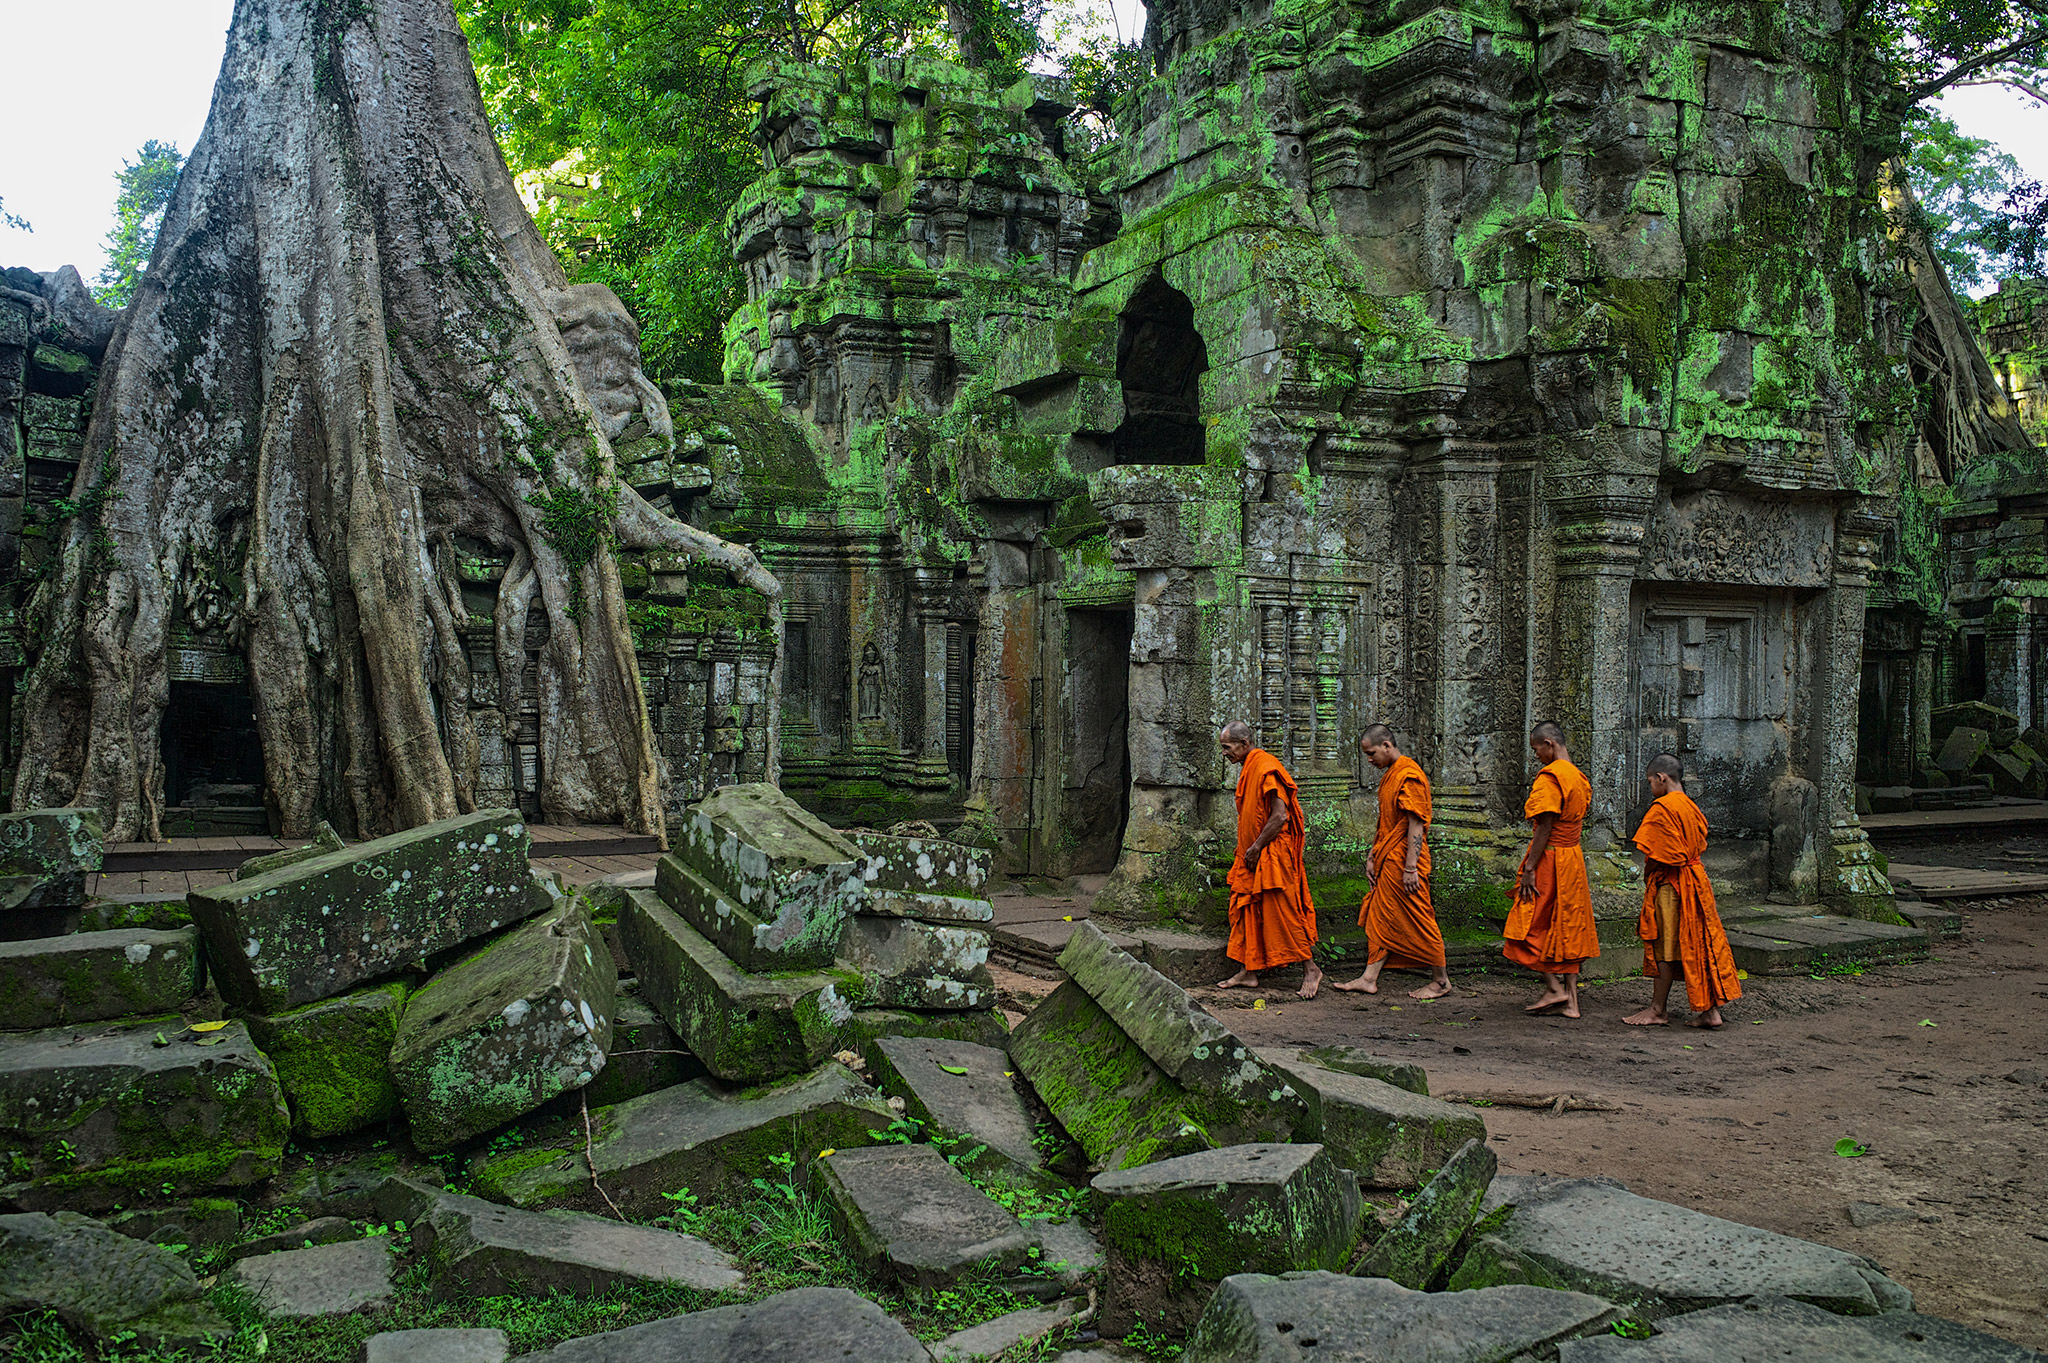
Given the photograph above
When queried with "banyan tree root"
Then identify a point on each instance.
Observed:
(1557, 1103)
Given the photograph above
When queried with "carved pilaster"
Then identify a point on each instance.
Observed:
(1597, 541)
(1850, 881)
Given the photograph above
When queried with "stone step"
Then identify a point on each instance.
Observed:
(93, 976)
(1765, 944)
(1934, 921)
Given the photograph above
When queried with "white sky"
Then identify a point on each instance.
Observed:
(95, 79)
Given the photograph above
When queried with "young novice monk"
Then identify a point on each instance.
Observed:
(1680, 928)
(1399, 922)
(1550, 930)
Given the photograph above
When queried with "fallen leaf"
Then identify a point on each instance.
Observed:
(209, 1026)
(1924, 1022)
(1258, 1003)
(161, 1040)
(954, 1069)
(1849, 1149)
(1742, 974)
(1066, 918)
(1756, 1022)
(823, 1153)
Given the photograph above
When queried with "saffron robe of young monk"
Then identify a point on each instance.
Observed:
(1672, 837)
(1553, 932)
(1398, 925)
(1272, 917)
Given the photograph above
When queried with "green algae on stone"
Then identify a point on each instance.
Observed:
(93, 976)
(332, 1059)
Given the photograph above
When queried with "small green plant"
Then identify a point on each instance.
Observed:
(1150, 1342)
(902, 1131)
(61, 1153)
(1629, 1328)
(685, 1215)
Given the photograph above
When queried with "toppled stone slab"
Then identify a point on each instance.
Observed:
(323, 841)
(1389, 1137)
(321, 1230)
(808, 1325)
(1416, 1250)
(959, 1089)
(993, 1338)
(906, 963)
(1177, 1228)
(93, 1116)
(348, 1189)
(909, 1215)
(333, 1059)
(1657, 1259)
(1069, 1255)
(645, 1056)
(1766, 1330)
(905, 868)
(746, 1028)
(102, 1282)
(698, 1135)
(502, 1032)
(437, 1346)
(197, 1221)
(45, 856)
(324, 926)
(1402, 1074)
(480, 1249)
(784, 940)
(983, 1027)
(326, 1280)
(1108, 1094)
(93, 976)
(793, 878)
(1256, 1318)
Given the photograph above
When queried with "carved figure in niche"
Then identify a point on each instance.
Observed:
(871, 683)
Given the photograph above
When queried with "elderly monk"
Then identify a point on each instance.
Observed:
(1272, 917)
(1680, 927)
(1399, 922)
(1551, 928)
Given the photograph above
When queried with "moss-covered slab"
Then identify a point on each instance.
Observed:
(923, 866)
(1402, 1074)
(1100, 1084)
(962, 1090)
(102, 1283)
(1416, 1250)
(1176, 1228)
(808, 1325)
(794, 876)
(911, 964)
(92, 976)
(321, 927)
(332, 1059)
(746, 1028)
(147, 1110)
(702, 1135)
(1389, 1137)
(783, 940)
(45, 856)
(909, 1216)
(323, 842)
(506, 1029)
(645, 1055)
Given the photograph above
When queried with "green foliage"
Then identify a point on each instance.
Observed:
(147, 184)
(1960, 182)
(13, 220)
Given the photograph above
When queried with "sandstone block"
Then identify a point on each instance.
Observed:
(500, 1033)
(437, 1346)
(810, 1323)
(102, 1282)
(1774, 1328)
(645, 1055)
(906, 963)
(1416, 1250)
(1177, 1228)
(700, 1135)
(1108, 1094)
(959, 1089)
(92, 976)
(908, 1215)
(1962, 750)
(197, 1221)
(45, 856)
(1389, 1137)
(91, 1118)
(324, 841)
(1258, 1318)
(326, 1280)
(984, 1027)
(795, 876)
(1999, 727)
(907, 868)
(779, 938)
(993, 1338)
(321, 927)
(1402, 1074)
(333, 1059)
(321, 1230)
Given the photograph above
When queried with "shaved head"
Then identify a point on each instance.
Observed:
(1376, 734)
(1664, 764)
(1547, 731)
(1237, 731)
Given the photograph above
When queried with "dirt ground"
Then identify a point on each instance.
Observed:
(1938, 1067)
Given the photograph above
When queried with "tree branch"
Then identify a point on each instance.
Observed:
(2027, 88)
(1927, 88)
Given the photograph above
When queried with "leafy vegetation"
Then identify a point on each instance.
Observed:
(147, 184)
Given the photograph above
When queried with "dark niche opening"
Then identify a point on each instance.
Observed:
(1097, 780)
(213, 762)
(1160, 360)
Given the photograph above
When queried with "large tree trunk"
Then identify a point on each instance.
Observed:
(345, 369)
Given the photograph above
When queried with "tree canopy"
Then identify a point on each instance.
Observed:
(146, 184)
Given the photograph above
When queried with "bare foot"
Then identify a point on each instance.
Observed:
(1243, 979)
(1709, 1019)
(1435, 989)
(1364, 984)
(1548, 1002)
(1570, 1010)
(1311, 980)
(1649, 1017)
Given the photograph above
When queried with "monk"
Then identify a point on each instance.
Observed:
(1550, 929)
(1680, 927)
(1272, 917)
(1399, 921)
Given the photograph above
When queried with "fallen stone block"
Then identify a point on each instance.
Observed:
(102, 1282)
(502, 1032)
(323, 841)
(326, 1280)
(1177, 1228)
(437, 1346)
(1389, 1137)
(45, 856)
(2000, 727)
(1961, 751)
(1184, 958)
(481, 1249)
(199, 1221)
(1402, 1074)
(93, 976)
(908, 1215)
(746, 1028)
(783, 939)
(1416, 1250)
(321, 1230)
(1654, 1258)
(794, 878)
(961, 1090)
(891, 865)
(92, 1119)
(2009, 773)
(983, 1027)
(993, 1338)
(1108, 1094)
(333, 1059)
(645, 1056)
(910, 964)
(1069, 1258)
(1768, 1329)
(698, 1135)
(324, 926)
(809, 1325)
(1258, 1318)
(347, 1189)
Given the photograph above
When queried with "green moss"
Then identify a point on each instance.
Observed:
(332, 1060)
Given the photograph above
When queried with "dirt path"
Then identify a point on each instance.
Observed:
(1742, 1123)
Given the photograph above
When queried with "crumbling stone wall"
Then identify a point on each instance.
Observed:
(2014, 326)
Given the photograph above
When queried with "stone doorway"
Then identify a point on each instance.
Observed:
(1087, 835)
(213, 762)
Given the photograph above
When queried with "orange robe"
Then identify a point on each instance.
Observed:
(1272, 917)
(1399, 926)
(1553, 932)
(1673, 835)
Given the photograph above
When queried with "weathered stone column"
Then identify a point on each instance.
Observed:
(1850, 882)
(1598, 539)
(2008, 660)
(1926, 674)
(932, 771)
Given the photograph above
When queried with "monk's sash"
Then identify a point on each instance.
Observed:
(1566, 834)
